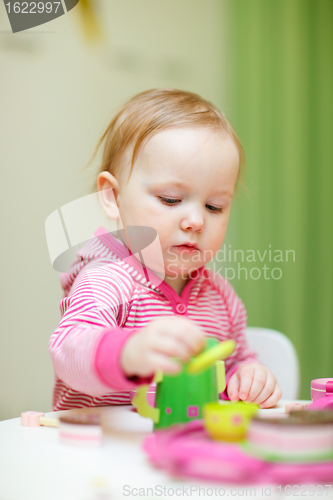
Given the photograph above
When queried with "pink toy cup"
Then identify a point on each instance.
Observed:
(321, 394)
(321, 388)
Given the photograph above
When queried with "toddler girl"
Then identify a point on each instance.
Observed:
(170, 164)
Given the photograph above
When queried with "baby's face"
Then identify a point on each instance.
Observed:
(182, 185)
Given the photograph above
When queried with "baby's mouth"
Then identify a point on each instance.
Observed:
(187, 248)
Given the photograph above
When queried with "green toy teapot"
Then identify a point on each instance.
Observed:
(180, 397)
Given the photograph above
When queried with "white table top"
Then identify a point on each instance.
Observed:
(35, 466)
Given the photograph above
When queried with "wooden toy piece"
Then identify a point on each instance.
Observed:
(220, 376)
(321, 404)
(302, 436)
(49, 422)
(181, 396)
(228, 421)
(321, 388)
(151, 393)
(295, 407)
(207, 358)
(81, 428)
(321, 394)
(185, 450)
(35, 419)
(142, 401)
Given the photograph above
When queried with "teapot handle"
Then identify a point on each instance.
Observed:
(141, 403)
(220, 376)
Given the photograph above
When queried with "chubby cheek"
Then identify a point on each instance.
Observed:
(136, 213)
(165, 233)
(164, 225)
(216, 237)
(145, 216)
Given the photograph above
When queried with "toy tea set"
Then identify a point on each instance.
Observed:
(198, 436)
(194, 393)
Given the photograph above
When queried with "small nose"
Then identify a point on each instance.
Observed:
(193, 219)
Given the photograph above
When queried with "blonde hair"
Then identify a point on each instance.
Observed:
(155, 110)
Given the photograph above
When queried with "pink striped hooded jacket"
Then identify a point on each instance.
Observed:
(108, 297)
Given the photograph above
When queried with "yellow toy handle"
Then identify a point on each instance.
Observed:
(220, 376)
(207, 358)
(141, 403)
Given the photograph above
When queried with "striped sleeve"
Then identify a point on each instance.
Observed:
(86, 347)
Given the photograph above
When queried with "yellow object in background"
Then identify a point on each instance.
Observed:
(89, 20)
(228, 421)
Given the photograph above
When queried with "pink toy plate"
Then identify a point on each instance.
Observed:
(186, 450)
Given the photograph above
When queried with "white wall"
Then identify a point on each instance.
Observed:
(57, 94)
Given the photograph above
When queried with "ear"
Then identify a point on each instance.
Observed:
(108, 192)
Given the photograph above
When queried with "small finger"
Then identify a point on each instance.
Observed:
(190, 334)
(171, 346)
(273, 399)
(246, 379)
(158, 361)
(233, 388)
(258, 384)
(267, 390)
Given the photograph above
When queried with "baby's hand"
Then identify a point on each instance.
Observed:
(152, 348)
(256, 384)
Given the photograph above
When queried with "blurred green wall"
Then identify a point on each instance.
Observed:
(281, 85)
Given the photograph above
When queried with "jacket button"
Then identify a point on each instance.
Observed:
(181, 308)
